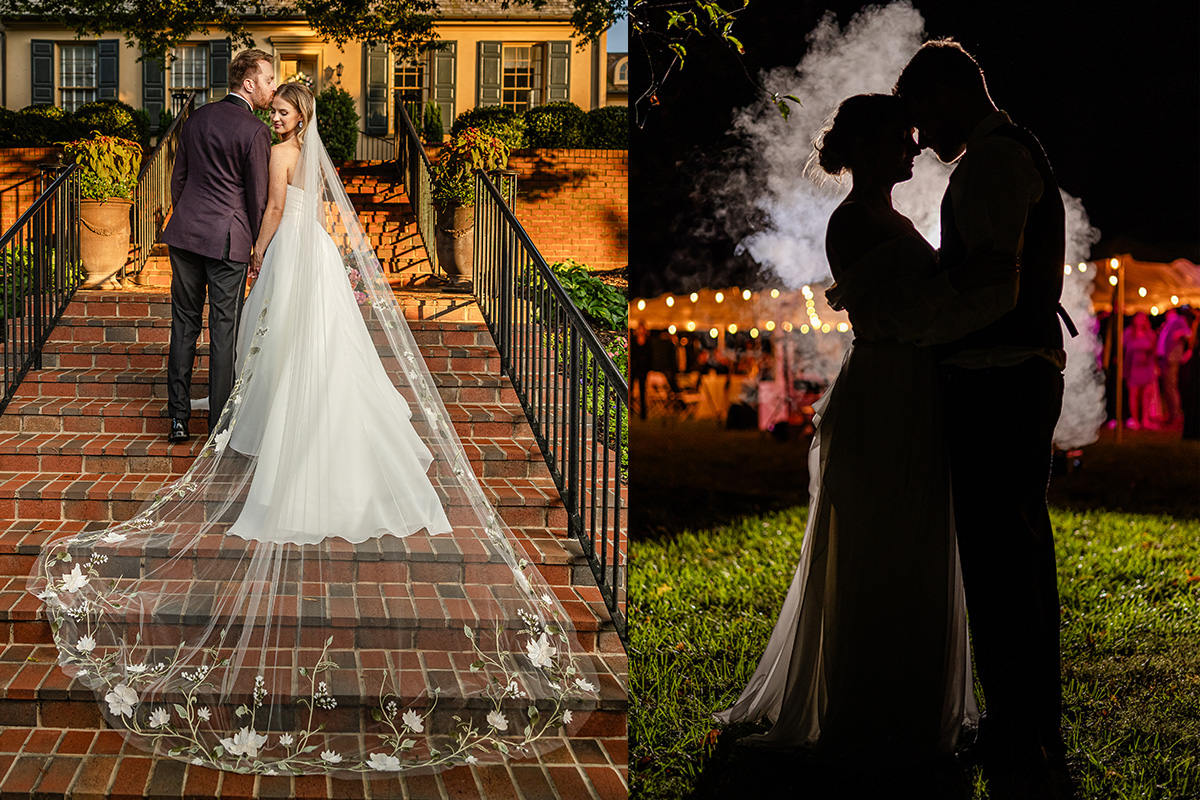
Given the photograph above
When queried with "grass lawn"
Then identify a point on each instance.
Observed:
(702, 604)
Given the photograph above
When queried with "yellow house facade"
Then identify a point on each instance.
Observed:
(485, 56)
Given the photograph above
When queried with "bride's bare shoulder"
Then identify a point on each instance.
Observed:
(853, 231)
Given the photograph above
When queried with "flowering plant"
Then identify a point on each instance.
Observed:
(357, 281)
(460, 157)
(110, 165)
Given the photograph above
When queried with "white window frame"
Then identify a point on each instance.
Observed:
(175, 70)
(536, 72)
(75, 88)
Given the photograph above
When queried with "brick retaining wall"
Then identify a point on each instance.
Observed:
(16, 165)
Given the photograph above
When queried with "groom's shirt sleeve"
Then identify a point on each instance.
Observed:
(256, 178)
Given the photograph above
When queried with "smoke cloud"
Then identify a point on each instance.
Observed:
(793, 203)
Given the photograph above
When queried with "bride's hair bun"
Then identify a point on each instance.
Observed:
(856, 119)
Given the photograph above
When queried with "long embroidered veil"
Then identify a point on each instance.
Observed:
(246, 651)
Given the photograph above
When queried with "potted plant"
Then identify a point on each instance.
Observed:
(107, 180)
(454, 197)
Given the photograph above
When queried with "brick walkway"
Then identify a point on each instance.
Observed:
(83, 444)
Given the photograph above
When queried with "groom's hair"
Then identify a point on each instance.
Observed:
(246, 65)
(940, 62)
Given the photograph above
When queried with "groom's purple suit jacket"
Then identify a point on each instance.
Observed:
(219, 185)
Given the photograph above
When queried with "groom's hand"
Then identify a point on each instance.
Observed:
(255, 265)
(982, 271)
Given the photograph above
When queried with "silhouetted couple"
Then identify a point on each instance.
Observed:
(932, 454)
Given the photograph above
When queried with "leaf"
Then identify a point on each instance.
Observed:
(736, 44)
(180, 710)
(680, 51)
(376, 715)
(467, 631)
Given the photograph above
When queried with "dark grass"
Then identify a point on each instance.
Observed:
(717, 535)
(702, 605)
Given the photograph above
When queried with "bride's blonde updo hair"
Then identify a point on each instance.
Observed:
(301, 98)
(857, 119)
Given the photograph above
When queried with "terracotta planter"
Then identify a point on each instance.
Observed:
(103, 238)
(455, 233)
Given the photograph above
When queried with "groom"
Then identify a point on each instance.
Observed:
(219, 192)
(1004, 389)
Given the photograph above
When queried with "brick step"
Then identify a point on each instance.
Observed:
(114, 497)
(130, 453)
(74, 415)
(144, 384)
(59, 355)
(60, 762)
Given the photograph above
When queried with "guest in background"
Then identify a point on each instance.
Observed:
(1189, 381)
(1140, 371)
(1173, 339)
(641, 359)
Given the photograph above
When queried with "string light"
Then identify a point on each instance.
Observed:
(671, 329)
(754, 333)
(1066, 269)
(670, 302)
(720, 298)
(691, 326)
(746, 294)
(713, 333)
(1114, 263)
(693, 297)
(1112, 279)
(804, 329)
(1083, 266)
(825, 328)
(1154, 311)
(774, 293)
(843, 327)
(641, 305)
(1174, 299)
(787, 326)
(806, 291)
(732, 328)
(770, 324)
(1142, 291)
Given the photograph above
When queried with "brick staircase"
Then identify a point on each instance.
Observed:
(83, 444)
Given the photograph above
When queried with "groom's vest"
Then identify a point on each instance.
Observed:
(1034, 321)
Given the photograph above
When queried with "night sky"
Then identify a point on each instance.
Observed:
(1112, 90)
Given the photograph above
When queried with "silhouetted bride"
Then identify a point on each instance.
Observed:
(327, 589)
(870, 649)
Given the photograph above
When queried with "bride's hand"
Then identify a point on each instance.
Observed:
(255, 266)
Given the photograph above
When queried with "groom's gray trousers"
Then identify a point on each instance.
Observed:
(224, 281)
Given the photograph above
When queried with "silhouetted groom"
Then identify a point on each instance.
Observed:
(1004, 389)
(219, 192)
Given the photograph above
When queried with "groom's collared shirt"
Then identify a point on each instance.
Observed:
(249, 107)
(991, 191)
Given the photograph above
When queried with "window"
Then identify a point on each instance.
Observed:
(189, 71)
(522, 76)
(622, 71)
(77, 75)
(409, 78)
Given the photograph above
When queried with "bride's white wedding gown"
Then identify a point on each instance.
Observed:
(871, 647)
(322, 409)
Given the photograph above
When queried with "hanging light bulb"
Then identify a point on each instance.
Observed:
(1066, 269)
(804, 329)
(670, 301)
(713, 332)
(1154, 311)
(693, 297)
(671, 329)
(746, 294)
(754, 333)
(774, 293)
(720, 298)
(1174, 299)
(691, 326)
(787, 326)
(641, 305)
(732, 328)
(1114, 263)
(1112, 279)
(1141, 291)
(770, 325)
(843, 327)
(1083, 266)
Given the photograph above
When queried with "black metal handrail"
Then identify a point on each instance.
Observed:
(417, 173)
(374, 148)
(574, 396)
(39, 272)
(152, 197)
(10, 197)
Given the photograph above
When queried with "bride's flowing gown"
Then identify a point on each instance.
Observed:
(327, 589)
(870, 647)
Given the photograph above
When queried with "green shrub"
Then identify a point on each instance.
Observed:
(557, 124)
(142, 117)
(110, 166)
(433, 122)
(607, 128)
(111, 118)
(41, 125)
(165, 118)
(605, 305)
(337, 122)
(505, 124)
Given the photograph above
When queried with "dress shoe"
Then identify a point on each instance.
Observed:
(179, 431)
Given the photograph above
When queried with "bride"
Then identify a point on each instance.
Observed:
(870, 649)
(327, 589)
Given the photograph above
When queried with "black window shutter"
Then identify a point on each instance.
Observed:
(219, 54)
(109, 66)
(154, 90)
(43, 72)
(376, 61)
(445, 64)
(558, 76)
(489, 71)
